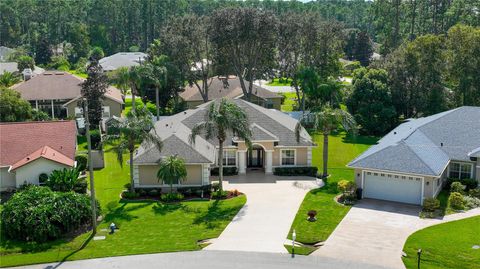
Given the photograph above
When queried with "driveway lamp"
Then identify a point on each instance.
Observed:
(419, 255)
(294, 237)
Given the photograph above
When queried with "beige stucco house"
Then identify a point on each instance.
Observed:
(28, 149)
(58, 93)
(274, 145)
(413, 161)
(229, 87)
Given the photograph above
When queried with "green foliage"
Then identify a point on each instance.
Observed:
(39, 214)
(471, 202)
(346, 186)
(59, 63)
(153, 193)
(93, 90)
(134, 48)
(172, 170)
(63, 180)
(171, 197)
(457, 187)
(8, 79)
(81, 186)
(371, 101)
(470, 183)
(220, 194)
(474, 193)
(39, 115)
(96, 139)
(130, 194)
(358, 46)
(81, 162)
(310, 171)
(25, 62)
(456, 201)
(96, 54)
(431, 204)
(12, 107)
(42, 178)
(227, 171)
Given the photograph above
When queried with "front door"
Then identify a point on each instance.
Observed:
(255, 157)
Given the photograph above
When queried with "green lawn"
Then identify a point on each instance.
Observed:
(447, 245)
(277, 82)
(145, 227)
(289, 101)
(78, 74)
(342, 149)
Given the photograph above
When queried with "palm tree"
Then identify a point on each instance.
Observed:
(8, 79)
(221, 118)
(172, 170)
(135, 80)
(326, 121)
(121, 78)
(126, 134)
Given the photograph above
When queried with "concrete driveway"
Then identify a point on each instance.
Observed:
(263, 223)
(374, 232)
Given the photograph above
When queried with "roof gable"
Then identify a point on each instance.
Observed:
(45, 152)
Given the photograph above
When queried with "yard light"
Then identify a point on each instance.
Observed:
(419, 254)
(294, 237)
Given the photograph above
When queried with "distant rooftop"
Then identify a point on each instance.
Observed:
(122, 59)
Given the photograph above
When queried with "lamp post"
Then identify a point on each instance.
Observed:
(90, 167)
(419, 254)
(294, 237)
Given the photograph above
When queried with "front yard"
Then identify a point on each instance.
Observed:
(447, 245)
(342, 149)
(145, 227)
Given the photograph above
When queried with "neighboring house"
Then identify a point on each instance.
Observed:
(122, 59)
(4, 52)
(274, 145)
(28, 149)
(413, 161)
(220, 87)
(12, 67)
(58, 94)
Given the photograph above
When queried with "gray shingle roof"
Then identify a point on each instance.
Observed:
(122, 59)
(426, 145)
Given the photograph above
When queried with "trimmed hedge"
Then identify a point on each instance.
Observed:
(40, 214)
(296, 171)
(227, 171)
(470, 183)
(81, 162)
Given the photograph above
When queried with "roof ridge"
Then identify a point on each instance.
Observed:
(418, 156)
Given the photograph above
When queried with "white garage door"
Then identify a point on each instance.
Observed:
(404, 189)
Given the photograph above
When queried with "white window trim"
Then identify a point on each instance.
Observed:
(234, 157)
(294, 158)
(460, 171)
(104, 110)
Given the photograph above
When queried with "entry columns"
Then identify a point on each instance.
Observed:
(268, 161)
(242, 169)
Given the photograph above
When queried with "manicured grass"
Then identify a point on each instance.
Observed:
(289, 101)
(145, 227)
(81, 143)
(342, 149)
(78, 74)
(277, 82)
(303, 250)
(447, 245)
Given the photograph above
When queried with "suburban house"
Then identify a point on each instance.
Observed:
(274, 145)
(28, 149)
(223, 87)
(58, 94)
(12, 67)
(122, 59)
(413, 161)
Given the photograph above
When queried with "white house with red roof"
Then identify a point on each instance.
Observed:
(28, 149)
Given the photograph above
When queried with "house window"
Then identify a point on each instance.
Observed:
(288, 157)
(105, 112)
(229, 157)
(460, 170)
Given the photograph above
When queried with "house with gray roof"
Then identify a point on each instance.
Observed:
(122, 59)
(229, 87)
(413, 161)
(274, 145)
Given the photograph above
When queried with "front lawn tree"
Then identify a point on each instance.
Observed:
(126, 134)
(245, 37)
(223, 117)
(13, 107)
(172, 170)
(326, 121)
(93, 91)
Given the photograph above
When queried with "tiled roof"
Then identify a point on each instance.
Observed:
(18, 140)
(44, 152)
(426, 145)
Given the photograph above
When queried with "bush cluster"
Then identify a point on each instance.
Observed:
(82, 161)
(457, 187)
(171, 197)
(40, 214)
(471, 202)
(469, 183)
(227, 171)
(197, 191)
(296, 171)
(219, 195)
(456, 201)
(63, 180)
(431, 204)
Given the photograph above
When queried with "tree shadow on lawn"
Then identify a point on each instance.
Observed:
(164, 209)
(215, 214)
(357, 139)
(121, 213)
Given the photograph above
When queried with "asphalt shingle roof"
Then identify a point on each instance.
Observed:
(122, 59)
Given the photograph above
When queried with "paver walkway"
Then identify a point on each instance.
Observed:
(375, 231)
(264, 222)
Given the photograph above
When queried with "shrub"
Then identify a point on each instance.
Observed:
(63, 180)
(42, 178)
(171, 197)
(81, 162)
(431, 204)
(219, 195)
(474, 193)
(346, 186)
(40, 214)
(471, 202)
(227, 171)
(81, 186)
(456, 201)
(142, 192)
(129, 195)
(96, 139)
(153, 193)
(469, 183)
(296, 171)
(215, 187)
(457, 187)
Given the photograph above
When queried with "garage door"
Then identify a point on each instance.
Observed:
(404, 189)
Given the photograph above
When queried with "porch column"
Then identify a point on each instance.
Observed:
(36, 104)
(268, 161)
(241, 162)
(53, 110)
(309, 156)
